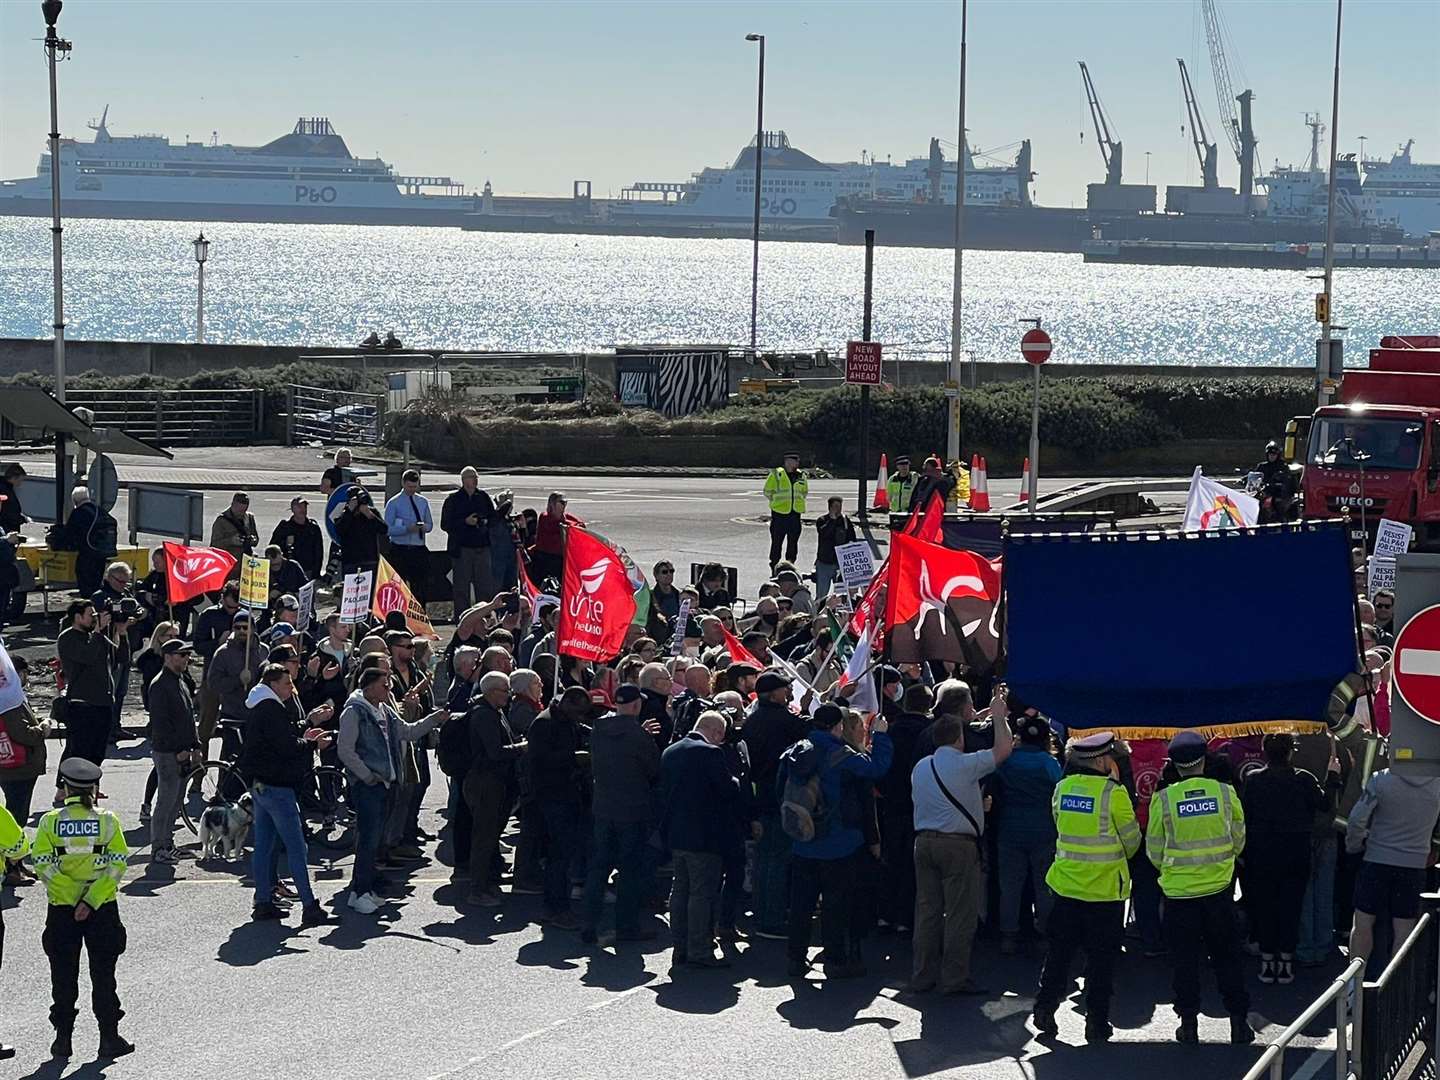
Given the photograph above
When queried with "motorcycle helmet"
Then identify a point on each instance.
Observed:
(1272, 447)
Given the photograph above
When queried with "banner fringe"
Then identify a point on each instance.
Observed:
(1209, 731)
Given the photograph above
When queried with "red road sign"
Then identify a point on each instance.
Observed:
(1035, 346)
(1417, 663)
(862, 362)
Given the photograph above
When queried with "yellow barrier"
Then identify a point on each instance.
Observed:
(58, 567)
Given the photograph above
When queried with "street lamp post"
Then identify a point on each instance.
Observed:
(1322, 362)
(56, 49)
(957, 350)
(202, 252)
(759, 148)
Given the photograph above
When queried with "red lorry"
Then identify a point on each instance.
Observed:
(1376, 451)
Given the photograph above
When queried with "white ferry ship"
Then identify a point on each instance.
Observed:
(799, 190)
(1406, 191)
(309, 175)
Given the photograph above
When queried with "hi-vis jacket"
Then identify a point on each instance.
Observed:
(80, 854)
(786, 496)
(1196, 831)
(1096, 835)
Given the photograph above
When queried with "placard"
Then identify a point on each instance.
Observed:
(857, 564)
(355, 600)
(306, 597)
(254, 581)
(1381, 574)
(682, 620)
(1392, 538)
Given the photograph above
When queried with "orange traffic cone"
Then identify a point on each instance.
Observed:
(882, 486)
(979, 489)
(1025, 482)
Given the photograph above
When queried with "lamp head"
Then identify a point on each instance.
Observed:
(754, 37)
(202, 247)
(51, 11)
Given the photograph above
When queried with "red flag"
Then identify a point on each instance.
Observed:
(931, 526)
(528, 588)
(190, 571)
(870, 611)
(597, 602)
(738, 653)
(940, 604)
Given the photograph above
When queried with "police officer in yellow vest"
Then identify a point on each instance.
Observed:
(13, 848)
(80, 855)
(901, 486)
(1090, 877)
(1196, 831)
(785, 491)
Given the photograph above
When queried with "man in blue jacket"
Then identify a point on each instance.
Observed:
(828, 864)
(700, 797)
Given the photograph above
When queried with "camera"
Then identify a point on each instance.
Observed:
(126, 609)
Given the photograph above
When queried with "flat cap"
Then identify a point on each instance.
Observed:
(175, 645)
(1186, 748)
(79, 772)
(770, 681)
(741, 668)
(827, 716)
(625, 693)
(1092, 746)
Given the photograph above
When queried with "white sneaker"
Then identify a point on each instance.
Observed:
(364, 903)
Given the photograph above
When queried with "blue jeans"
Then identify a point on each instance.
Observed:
(1317, 910)
(772, 866)
(277, 818)
(825, 575)
(368, 801)
(561, 822)
(619, 845)
(1017, 862)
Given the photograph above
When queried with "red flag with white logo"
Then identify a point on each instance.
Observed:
(190, 571)
(940, 604)
(597, 601)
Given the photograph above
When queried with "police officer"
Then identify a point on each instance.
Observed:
(1090, 878)
(901, 486)
(13, 848)
(80, 855)
(1196, 831)
(785, 491)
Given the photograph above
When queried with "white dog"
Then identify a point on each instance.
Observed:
(224, 827)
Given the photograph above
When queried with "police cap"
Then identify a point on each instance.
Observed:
(1092, 746)
(78, 772)
(901, 460)
(1187, 748)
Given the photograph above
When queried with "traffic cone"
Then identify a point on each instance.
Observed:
(882, 486)
(1025, 482)
(979, 490)
(984, 484)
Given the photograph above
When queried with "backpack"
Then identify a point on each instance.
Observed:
(454, 753)
(804, 813)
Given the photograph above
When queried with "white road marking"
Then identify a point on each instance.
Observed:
(1419, 661)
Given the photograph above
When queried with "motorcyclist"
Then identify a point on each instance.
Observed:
(1277, 485)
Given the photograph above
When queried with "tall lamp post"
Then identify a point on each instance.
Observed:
(56, 49)
(202, 252)
(1323, 363)
(759, 148)
(957, 352)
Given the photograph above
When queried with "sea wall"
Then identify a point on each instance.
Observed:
(178, 360)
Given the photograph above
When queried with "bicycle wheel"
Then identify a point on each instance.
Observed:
(326, 807)
(207, 785)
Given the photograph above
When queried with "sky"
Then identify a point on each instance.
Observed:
(532, 96)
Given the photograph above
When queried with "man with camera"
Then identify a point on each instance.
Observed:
(90, 649)
(116, 596)
(359, 528)
(465, 518)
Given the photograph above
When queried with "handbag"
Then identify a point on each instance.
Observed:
(12, 754)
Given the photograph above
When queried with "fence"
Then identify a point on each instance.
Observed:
(1341, 992)
(1399, 1007)
(178, 417)
(315, 414)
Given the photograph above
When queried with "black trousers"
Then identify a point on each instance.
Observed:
(87, 731)
(837, 881)
(784, 529)
(1277, 873)
(1098, 928)
(1194, 929)
(897, 835)
(412, 563)
(103, 937)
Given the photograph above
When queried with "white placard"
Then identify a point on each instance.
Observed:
(1382, 574)
(1392, 538)
(355, 600)
(857, 564)
(307, 605)
(682, 620)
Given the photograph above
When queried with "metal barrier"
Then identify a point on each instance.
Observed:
(178, 417)
(315, 414)
(1399, 1007)
(1272, 1061)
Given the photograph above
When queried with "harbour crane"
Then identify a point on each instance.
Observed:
(1111, 151)
(1238, 130)
(1205, 150)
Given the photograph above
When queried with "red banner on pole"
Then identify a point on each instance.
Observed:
(191, 571)
(597, 601)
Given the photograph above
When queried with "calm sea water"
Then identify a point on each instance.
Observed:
(445, 288)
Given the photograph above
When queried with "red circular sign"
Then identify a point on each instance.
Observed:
(1035, 346)
(390, 597)
(1417, 663)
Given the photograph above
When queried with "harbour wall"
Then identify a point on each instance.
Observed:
(179, 360)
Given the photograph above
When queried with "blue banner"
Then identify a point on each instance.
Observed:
(1146, 634)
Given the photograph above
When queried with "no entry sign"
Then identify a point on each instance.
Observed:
(862, 363)
(1417, 663)
(1035, 346)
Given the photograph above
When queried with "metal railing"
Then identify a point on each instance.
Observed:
(1342, 991)
(1399, 1007)
(315, 414)
(178, 417)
